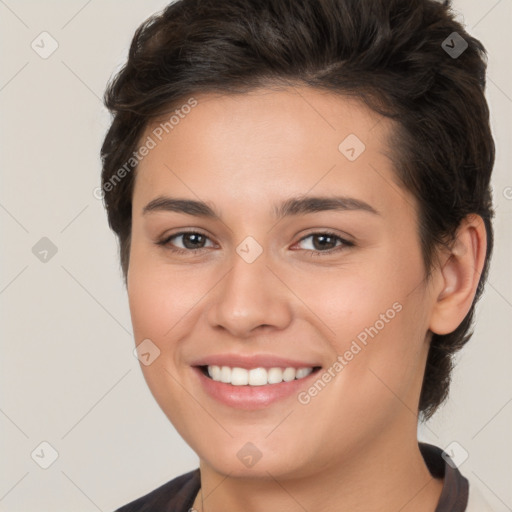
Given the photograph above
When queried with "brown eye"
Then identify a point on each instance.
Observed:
(190, 241)
(325, 243)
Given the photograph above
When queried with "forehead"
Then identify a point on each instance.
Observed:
(268, 143)
(290, 113)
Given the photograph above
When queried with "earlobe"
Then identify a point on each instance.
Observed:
(459, 276)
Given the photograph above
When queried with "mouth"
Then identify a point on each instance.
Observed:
(253, 381)
(254, 377)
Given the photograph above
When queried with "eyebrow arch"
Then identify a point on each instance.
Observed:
(293, 206)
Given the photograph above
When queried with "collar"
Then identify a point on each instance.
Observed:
(454, 496)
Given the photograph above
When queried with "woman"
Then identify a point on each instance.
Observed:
(301, 195)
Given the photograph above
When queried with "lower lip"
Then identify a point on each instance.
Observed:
(252, 397)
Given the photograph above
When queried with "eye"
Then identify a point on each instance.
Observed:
(191, 241)
(325, 243)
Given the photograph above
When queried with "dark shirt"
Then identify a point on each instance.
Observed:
(178, 494)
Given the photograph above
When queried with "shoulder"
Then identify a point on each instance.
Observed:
(177, 495)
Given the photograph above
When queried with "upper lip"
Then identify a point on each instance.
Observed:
(252, 361)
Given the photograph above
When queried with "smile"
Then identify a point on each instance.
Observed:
(255, 376)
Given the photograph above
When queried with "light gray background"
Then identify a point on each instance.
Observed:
(68, 375)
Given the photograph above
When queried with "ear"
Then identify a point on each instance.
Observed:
(459, 275)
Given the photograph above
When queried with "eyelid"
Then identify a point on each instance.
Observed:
(165, 241)
(345, 237)
(345, 243)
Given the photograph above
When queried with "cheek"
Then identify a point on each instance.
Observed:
(379, 315)
(145, 300)
(158, 310)
(350, 301)
(160, 296)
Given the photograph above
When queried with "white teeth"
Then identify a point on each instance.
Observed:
(303, 372)
(225, 374)
(274, 375)
(239, 377)
(289, 374)
(214, 372)
(256, 376)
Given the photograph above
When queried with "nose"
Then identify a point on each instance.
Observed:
(249, 298)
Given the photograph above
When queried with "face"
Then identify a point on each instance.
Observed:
(261, 275)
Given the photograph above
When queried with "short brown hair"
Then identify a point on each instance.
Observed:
(392, 54)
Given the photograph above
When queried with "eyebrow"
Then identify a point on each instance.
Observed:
(290, 207)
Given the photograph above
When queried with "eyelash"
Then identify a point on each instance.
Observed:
(165, 242)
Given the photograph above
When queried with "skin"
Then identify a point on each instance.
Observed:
(354, 446)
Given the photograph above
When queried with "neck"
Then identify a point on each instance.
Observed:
(383, 477)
